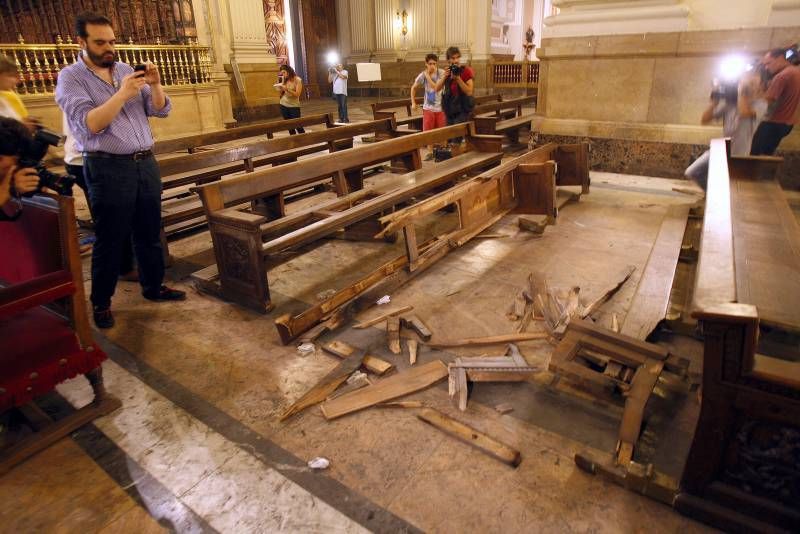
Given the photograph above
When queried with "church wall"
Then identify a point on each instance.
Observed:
(639, 96)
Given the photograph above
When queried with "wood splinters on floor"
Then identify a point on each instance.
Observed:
(412, 351)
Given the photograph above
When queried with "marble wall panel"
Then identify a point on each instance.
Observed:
(681, 89)
(599, 89)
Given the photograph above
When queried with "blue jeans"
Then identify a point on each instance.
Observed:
(342, 101)
(126, 200)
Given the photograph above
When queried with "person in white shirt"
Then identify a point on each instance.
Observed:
(338, 77)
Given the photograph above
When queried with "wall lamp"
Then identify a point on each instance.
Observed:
(402, 22)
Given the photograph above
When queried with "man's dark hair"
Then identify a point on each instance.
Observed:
(14, 137)
(89, 17)
(431, 57)
(452, 51)
(777, 52)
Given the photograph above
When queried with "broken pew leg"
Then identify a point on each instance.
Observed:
(642, 479)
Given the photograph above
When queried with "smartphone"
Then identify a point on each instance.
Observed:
(139, 68)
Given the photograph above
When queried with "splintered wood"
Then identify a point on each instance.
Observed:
(373, 364)
(415, 379)
(511, 367)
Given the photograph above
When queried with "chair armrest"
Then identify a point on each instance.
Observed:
(35, 292)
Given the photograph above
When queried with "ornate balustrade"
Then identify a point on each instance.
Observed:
(523, 74)
(39, 64)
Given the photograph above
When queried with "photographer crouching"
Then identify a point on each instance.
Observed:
(457, 100)
(15, 180)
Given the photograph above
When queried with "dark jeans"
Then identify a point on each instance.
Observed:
(767, 138)
(126, 199)
(126, 265)
(342, 101)
(457, 119)
(291, 113)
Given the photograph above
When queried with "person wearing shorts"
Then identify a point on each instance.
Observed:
(432, 114)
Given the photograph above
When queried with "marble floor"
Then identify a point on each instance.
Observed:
(197, 445)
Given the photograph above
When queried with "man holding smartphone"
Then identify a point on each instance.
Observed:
(107, 104)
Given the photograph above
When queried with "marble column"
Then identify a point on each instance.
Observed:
(604, 17)
(248, 31)
(457, 23)
(385, 14)
(784, 13)
(253, 68)
(362, 27)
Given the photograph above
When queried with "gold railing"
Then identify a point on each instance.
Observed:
(514, 74)
(39, 64)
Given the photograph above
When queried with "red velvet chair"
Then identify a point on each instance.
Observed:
(45, 336)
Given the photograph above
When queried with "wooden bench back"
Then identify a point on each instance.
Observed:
(405, 103)
(267, 128)
(514, 103)
(263, 182)
(254, 149)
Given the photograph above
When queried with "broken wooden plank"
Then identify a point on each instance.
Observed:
(651, 301)
(393, 334)
(412, 351)
(474, 437)
(623, 277)
(411, 381)
(401, 404)
(327, 385)
(412, 322)
(490, 340)
(373, 364)
(383, 317)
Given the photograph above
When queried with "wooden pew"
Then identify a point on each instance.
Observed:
(504, 117)
(243, 240)
(741, 473)
(181, 209)
(389, 109)
(268, 128)
(481, 201)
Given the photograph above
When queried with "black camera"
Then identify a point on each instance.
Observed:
(456, 70)
(728, 91)
(32, 155)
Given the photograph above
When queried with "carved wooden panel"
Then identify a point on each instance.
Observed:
(139, 21)
(275, 22)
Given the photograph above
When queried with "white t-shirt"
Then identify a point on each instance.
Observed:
(339, 83)
(433, 99)
(72, 154)
(740, 129)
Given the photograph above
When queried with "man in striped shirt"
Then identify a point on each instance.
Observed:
(107, 104)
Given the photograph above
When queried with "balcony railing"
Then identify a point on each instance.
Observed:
(39, 64)
(522, 74)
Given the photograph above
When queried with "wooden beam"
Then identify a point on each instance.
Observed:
(413, 380)
(651, 302)
(383, 317)
(490, 340)
(467, 434)
(393, 334)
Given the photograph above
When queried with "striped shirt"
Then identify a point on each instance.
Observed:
(79, 90)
